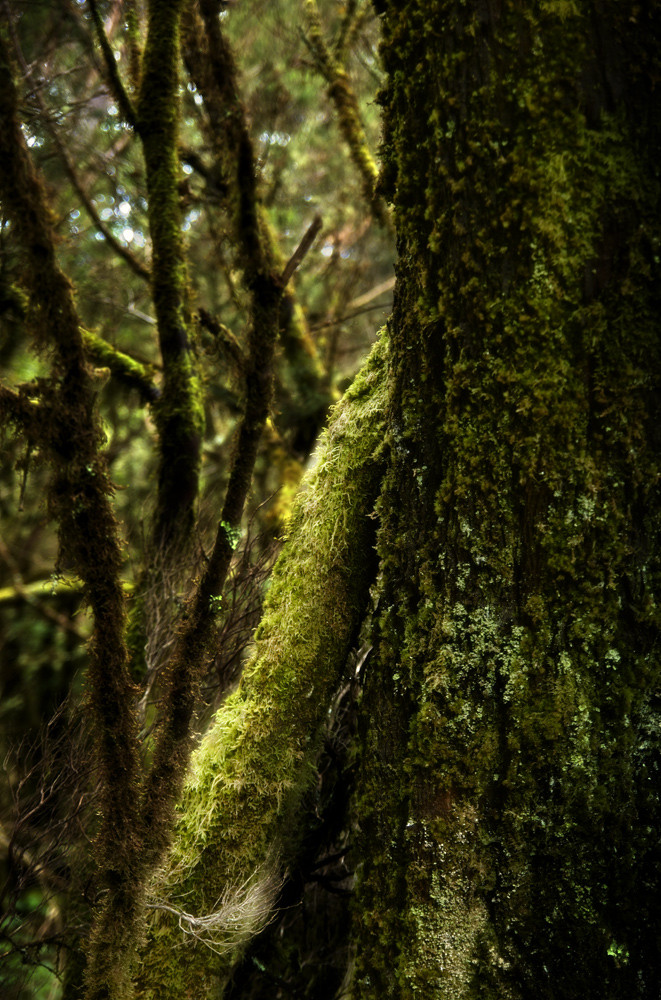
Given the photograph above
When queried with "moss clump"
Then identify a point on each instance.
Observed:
(238, 814)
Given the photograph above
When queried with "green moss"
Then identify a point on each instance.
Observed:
(237, 822)
(179, 414)
(343, 97)
(514, 683)
(126, 369)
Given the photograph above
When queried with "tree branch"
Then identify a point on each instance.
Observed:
(174, 741)
(242, 802)
(124, 368)
(302, 249)
(211, 68)
(179, 414)
(343, 97)
(79, 500)
(117, 87)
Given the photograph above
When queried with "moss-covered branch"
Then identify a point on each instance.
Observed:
(348, 25)
(125, 369)
(134, 40)
(79, 501)
(179, 415)
(343, 97)
(212, 69)
(117, 87)
(237, 825)
(184, 669)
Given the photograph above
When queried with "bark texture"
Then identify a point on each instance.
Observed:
(509, 802)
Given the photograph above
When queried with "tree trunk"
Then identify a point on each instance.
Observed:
(508, 806)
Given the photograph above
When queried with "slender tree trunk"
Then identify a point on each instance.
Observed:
(508, 803)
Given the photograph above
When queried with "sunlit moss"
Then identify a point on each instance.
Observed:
(238, 813)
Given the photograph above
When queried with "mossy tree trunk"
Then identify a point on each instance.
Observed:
(508, 806)
(508, 798)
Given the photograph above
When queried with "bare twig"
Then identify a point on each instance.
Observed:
(302, 249)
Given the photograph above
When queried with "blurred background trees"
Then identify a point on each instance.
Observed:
(300, 82)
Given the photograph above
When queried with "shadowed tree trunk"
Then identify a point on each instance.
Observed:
(484, 508)
(508, 803)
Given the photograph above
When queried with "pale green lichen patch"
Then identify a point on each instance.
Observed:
(520, 543)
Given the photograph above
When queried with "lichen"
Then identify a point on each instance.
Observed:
(506, 730)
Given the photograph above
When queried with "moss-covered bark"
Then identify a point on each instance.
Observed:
(179, 413)
(128, 372)
(343, 97)
(303, 396)
(67, 428)
(237, 822)
(508, 802)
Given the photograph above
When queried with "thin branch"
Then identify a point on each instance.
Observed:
(302, 249)
(344, 317)
(136, 265)
(124, 368)
(347, 27)
(21, 591)
(52, 587)
(116, 85)
(373, 293)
